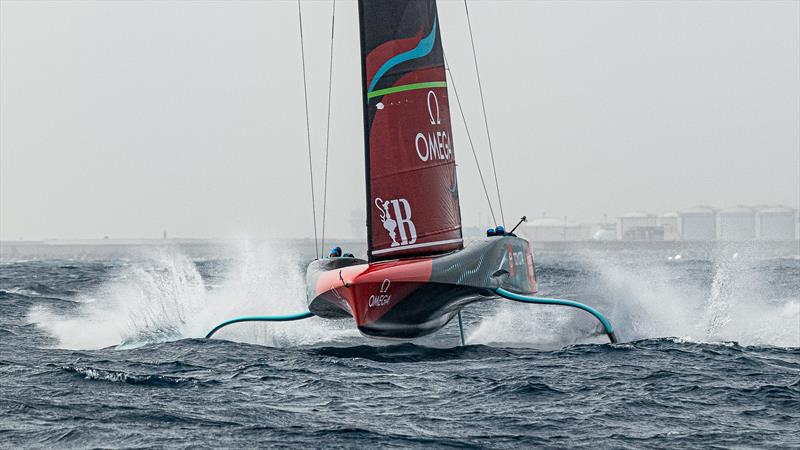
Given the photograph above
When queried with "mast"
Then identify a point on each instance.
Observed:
(365, 115)
(411, 184)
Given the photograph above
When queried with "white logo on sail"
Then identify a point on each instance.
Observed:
(437, 120)
(435, 145)
(401, 222)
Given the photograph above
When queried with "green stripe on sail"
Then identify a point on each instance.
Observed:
(407, 87)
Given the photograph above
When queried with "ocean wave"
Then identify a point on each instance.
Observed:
(115, 376)
(408, 352)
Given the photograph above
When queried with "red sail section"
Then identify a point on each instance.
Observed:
(412, 190)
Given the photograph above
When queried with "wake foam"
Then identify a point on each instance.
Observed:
(745, 302)
(163, 297)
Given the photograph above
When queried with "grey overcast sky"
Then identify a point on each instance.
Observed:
(127, 118)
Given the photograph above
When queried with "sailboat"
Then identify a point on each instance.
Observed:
(418, 274)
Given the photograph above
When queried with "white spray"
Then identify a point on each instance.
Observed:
(162, 297)
(654, 301)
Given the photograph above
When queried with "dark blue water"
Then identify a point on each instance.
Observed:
(711, 354)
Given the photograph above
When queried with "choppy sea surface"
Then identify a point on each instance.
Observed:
(101, 346)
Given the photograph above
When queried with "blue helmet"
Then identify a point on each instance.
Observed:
(500, 230)
(490, 232)
(336, 251)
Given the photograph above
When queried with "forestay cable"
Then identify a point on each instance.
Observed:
(308, 130)
(469, 138)
(485, 119)
(328, 133)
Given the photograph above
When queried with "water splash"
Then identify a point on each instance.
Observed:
(744, 305)
(539, 326)
(162, 296)
(717, 314)
(267, 280)
(728, 297)
(139, 304)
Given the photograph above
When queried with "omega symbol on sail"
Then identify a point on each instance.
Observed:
(435, 145)
(431, 106)
(401, 223)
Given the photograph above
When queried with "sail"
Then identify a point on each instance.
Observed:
(412, 191)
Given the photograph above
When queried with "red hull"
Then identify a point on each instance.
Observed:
(411, 298)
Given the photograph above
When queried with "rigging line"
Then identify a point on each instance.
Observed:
(485, 119)
(469, 138)
(328, 133)
(308, 130)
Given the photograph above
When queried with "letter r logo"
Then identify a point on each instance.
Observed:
(403, 216)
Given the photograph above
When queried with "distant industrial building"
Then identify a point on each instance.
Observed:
(599, 231)
(736, 224)
(698, 224)
(549, 229)
(572, 232)
(669, 222)
(775, 223)
(639, 226)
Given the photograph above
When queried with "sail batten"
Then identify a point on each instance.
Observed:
(412, 189)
